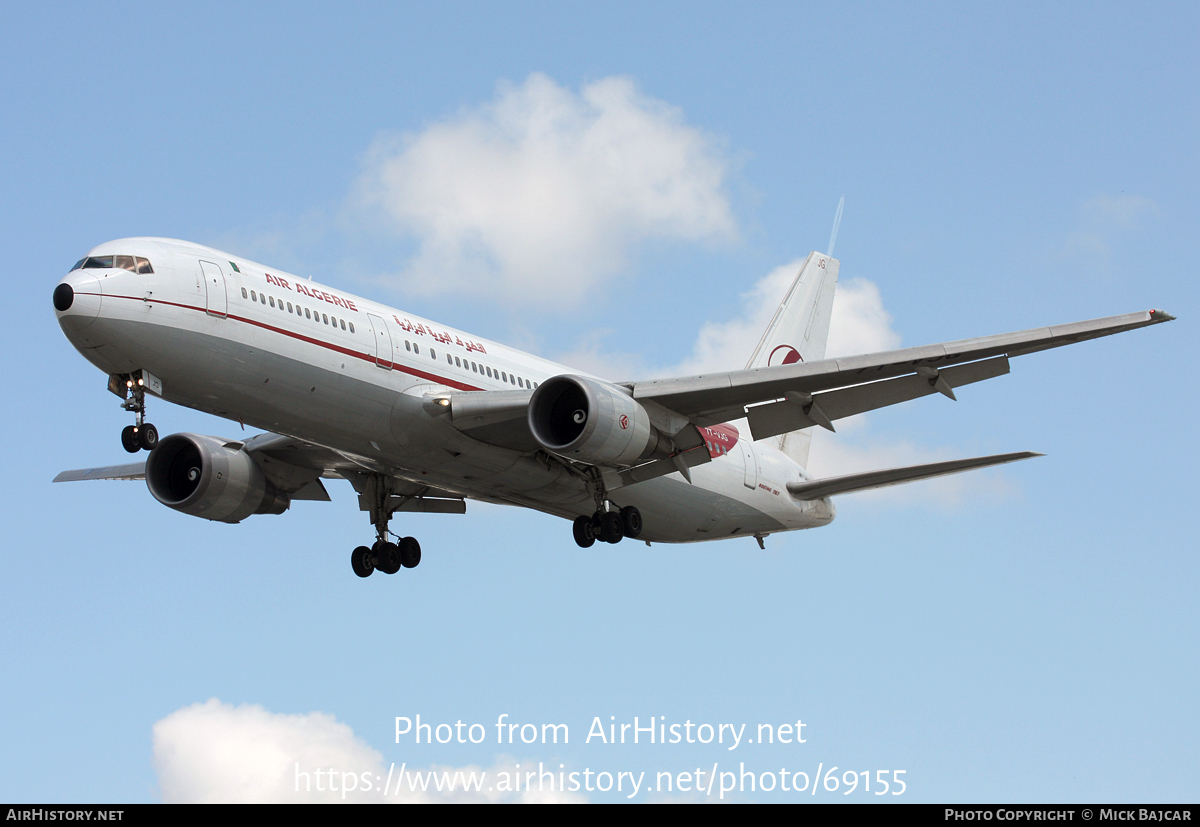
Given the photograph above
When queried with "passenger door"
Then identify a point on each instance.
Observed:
(217, 303)
(383, 342)
(751, 478)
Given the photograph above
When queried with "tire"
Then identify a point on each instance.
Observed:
(584, 531)
(358, 561)
(148, 436)
(388, 558)
(631, 522)
(611, 530)
(410, 552)
(129, 439)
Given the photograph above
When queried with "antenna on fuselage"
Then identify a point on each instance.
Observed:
(837, 222)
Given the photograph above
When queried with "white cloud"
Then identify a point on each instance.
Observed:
(727, 345)
(540, 194)
(218, 753)
(1102, 220)
(859, 324)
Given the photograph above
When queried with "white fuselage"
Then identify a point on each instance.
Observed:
(288, 355)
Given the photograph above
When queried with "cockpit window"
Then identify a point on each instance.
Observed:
(78, 264)
(134, 264)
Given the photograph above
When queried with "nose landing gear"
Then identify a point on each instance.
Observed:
(132, 389)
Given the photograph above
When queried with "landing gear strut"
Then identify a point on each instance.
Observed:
(141, 435)
(384, 555)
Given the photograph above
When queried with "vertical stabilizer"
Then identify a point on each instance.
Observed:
(799, 331)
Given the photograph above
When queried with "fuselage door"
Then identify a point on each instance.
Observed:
(751, 479)
(383, 342)
(217, 303)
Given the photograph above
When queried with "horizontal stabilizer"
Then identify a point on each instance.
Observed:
(132, 471)
(816, 489)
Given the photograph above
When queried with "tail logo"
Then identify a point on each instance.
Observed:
(784, 355)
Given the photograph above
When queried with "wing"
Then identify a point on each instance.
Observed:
(297, 468)
(780, 399)
(131, 471)
(786, 398)
(818, 489)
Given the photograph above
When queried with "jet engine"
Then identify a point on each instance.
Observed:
(205, 477)
(593, 422)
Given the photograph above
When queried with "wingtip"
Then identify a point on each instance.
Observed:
(1161, 316)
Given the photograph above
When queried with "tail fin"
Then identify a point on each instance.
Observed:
(799, 331)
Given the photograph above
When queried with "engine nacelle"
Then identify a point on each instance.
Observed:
(593, 422)
(198, 475)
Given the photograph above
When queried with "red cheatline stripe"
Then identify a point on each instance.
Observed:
(366, 357)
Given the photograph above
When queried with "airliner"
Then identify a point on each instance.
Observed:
(421, 417)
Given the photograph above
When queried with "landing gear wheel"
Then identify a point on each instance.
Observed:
(631, 522)
(360, 562)
(387, 557)
(585, 532)
(611, 530)
(147, 436)
(410, 552)
(129, 439)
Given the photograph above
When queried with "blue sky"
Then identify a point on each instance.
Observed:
(1028, 634)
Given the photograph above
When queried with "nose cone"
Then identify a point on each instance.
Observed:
(64, 294)
(77, 301)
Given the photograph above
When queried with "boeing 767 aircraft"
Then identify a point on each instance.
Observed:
(421, 417)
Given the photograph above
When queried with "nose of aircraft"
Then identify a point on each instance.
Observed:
(77, 301)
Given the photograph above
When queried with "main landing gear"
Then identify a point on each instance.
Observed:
(608, 526)
(384, 555)
(142, 435)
